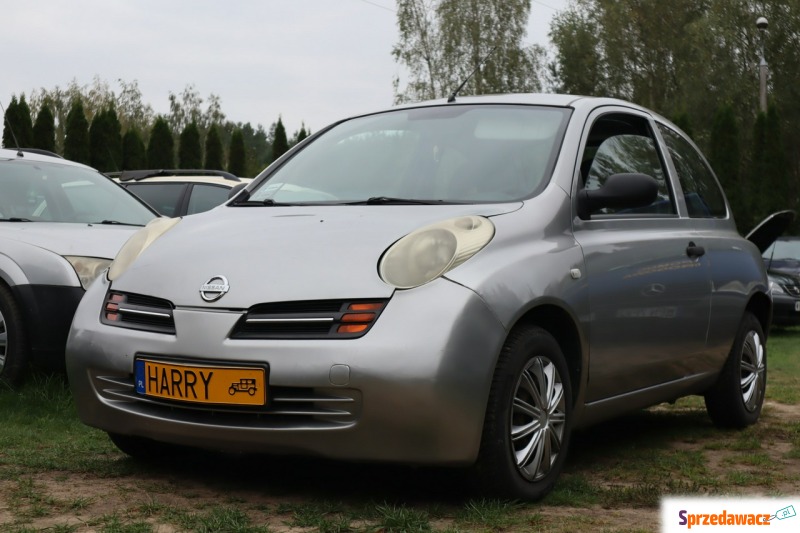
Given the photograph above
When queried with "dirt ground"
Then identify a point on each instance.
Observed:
(83, 503)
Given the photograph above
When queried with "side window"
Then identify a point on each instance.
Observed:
(618, 144)
(163, 197)
(704, 198)
(205, 197)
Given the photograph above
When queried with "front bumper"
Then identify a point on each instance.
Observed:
(413, 389)
(785, 310)
(47, 312)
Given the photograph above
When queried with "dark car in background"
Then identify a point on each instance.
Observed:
(783, 256)
(782, 260)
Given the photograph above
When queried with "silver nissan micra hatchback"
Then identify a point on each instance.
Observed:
(446, 283)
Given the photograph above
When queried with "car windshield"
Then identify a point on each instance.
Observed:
(783, 249)
(455, 153)
(49, 192)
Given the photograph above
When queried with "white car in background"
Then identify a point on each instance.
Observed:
(61, 224)
(179, 192)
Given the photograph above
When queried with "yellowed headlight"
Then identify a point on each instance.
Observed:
(138, 243)
(87, 268)
(430, 252)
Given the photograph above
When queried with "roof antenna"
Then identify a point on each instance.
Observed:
(19, 152)
(452, 97)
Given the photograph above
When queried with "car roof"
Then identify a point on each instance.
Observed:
(576, 102)
(187, 179)
(136, 175)
(36, 155)
(546, 99)
(217, 177)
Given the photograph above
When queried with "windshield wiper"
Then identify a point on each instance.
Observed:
(388, 200)
(265, 202)
(15, 219)
(115, 223)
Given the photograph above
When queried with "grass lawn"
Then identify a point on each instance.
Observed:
(57, 475)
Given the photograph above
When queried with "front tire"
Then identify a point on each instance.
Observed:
(13, 340)
(736, 399)
(528, 418)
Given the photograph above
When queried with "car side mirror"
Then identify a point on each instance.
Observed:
(235, 190)
(620, 191)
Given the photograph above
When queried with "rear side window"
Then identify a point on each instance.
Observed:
(163, 197)
(205, 197)
(703, 196)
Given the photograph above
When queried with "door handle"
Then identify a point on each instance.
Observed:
(695, 251)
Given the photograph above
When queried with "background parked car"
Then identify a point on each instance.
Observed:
(783, 256)
(61, 223)
(785, 290)
(457, 283)
(176, 193)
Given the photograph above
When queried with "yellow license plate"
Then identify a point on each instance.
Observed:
(201, 384)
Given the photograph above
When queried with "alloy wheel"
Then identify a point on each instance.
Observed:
(538, 418)
(753, 371)
(3, 341)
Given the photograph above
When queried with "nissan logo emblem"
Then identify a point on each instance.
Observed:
(214, 289)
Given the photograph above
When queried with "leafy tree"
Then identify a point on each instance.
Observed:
(105, 141)
(161, 147)
(190, 154)
(236, 154)
(23, 124)
(686, 56)
(97, 96)
(280, 144)
(187, 108)
(213, 149)
(44, 130)
(299, 135)
(778, 189)
(725, 158)
(580, 67)
(17, 126)
(684, 122)
(76, 134)
(134, 156)
(9, 125)
(257, 148)
(757, 182)
(442, 42)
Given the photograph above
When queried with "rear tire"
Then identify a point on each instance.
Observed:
(736, 399)
(528, 419)
(13, 339)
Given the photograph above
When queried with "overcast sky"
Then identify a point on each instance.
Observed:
(311, 61)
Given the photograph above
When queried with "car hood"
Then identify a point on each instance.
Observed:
(784, 278)
(770, 229)
(87, 240)
(274, 254)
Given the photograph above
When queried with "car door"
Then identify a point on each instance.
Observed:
(648, 280)
(730, 261)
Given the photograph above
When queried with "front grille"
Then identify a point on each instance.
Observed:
(288, 407)
(136, 311)
(315, 319)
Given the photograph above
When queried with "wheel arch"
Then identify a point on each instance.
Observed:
(760, 306)
(563, 327)
(11, 273)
